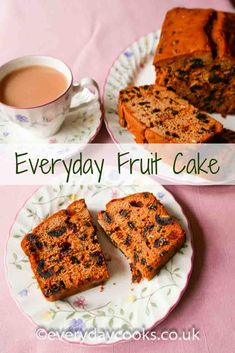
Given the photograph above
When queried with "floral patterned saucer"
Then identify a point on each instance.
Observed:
(134, 67)
(118, 306)
(79, 127)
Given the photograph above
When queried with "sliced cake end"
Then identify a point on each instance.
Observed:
(154, 114)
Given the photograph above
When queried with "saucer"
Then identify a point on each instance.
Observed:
(79, 127)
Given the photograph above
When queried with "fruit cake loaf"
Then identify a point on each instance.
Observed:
(140, 226)
(196, 57)
(156, 115)
(65, 254)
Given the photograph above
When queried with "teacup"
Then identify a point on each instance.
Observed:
(46, 119)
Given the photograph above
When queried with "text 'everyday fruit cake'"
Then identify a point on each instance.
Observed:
(140, 226)
(196, 57)
(65, 254)
(154, 114)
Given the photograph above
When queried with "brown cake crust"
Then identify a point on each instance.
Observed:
(140, 226)
(179, 28)
(196, 57)
(154, 114)
(65, 254)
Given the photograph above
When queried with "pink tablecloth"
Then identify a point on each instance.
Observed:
(88, 35)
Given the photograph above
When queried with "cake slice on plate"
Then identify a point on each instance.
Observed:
(65, 254)
(140, 226)
(155, 114)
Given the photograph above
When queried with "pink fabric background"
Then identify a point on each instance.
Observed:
(89, 35)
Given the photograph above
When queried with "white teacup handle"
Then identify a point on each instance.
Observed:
(88, 83)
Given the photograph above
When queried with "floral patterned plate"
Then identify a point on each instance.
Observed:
(79, 127)
(119, 306)
(134, 67)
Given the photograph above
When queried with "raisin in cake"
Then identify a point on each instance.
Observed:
(196, 57)
(140, 226)
(154, 114)
(65, 254)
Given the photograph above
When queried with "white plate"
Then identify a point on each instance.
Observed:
(134, 66)
(80, 127)
(117, 305)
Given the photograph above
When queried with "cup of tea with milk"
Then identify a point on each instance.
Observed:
(36, 93)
